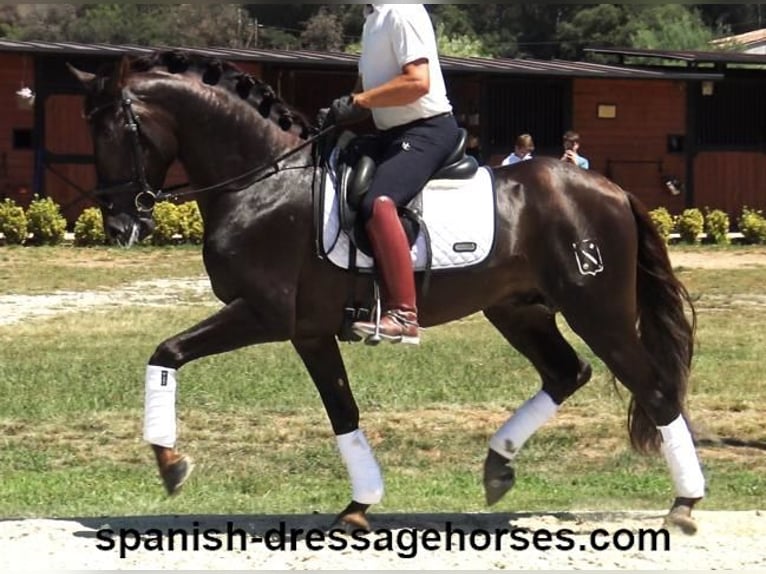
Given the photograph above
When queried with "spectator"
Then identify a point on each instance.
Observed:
(522, 150)
(571, 147)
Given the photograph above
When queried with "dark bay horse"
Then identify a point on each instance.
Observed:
(260, 254)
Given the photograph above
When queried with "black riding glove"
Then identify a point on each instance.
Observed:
(345, 112)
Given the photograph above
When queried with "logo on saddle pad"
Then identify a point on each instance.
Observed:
(588, 257)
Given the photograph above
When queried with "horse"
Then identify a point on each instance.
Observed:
(566, 241)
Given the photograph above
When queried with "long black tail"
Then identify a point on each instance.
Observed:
(665, 329)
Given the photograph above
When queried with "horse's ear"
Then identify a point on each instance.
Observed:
(87, 79)
(119, 78)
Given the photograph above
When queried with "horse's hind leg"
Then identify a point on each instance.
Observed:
(532, 330)
(325, 365)
(656, 414)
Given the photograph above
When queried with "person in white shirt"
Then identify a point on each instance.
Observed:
(522, 150)
(401, 83)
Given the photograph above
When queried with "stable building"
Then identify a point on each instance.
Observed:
(678, 129)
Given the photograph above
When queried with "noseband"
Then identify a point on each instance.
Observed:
(147, 197)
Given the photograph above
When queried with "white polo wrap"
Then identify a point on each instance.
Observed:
(678, 449)
(529, 417)
(363, 469)
(160, 406)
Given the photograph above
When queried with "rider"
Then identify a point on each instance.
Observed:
(401, 82)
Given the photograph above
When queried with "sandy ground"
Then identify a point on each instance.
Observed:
(726, 540)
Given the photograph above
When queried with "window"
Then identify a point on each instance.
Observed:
(733, 116)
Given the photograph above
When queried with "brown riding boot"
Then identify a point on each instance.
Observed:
(399, 323)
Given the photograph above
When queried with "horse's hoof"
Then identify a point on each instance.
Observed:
(175, 474)
(352, 519)
(680, 516)
(499, 477)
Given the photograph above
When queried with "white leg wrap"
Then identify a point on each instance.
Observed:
(363, 469)
(160, 406)
(678, 450)
(529, 417)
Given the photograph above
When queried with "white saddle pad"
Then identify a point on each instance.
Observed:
(459, 215)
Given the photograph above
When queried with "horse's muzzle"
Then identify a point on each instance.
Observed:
(126, 230)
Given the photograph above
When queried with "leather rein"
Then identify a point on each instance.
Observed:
(147, 197)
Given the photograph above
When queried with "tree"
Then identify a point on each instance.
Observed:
(47, 22)
(602, 25)
(672, 27)
(323, 31)
(463, 46)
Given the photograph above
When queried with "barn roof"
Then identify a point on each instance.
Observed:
(691, 58)
(340, 60)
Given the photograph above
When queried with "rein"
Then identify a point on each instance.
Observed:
(148, 197)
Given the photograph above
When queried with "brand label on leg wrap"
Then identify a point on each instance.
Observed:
(678, 450)
(363, 469)
(160, 406)
(529, 417)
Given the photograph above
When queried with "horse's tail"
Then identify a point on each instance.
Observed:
(665, 330)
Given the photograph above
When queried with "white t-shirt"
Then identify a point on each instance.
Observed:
(395, 35)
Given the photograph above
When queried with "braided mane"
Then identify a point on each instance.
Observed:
(217, 72)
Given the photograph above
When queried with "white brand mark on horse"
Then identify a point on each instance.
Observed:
(588, 257)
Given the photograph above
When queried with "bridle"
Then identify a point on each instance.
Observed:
(147, 196)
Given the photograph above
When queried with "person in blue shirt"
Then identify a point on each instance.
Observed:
(571, 147)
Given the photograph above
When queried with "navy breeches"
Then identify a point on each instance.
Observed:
(407, 156)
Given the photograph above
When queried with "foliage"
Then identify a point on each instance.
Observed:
(323, 32)
(717, 226)
(672, 27)
(663, 221)
(752, 225)
(89, 228)
(192, 229)
(13, 222)
(537, 30)
(46, 223)
(690, 224)
(142, 24)
(167, 223)
(463, 46)
(601, 25)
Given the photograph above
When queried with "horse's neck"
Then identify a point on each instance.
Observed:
(220, 137)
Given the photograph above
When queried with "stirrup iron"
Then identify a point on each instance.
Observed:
(375, 338)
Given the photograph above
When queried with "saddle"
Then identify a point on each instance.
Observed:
(356, 169)
(352, 174)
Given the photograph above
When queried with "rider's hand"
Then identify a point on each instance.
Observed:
(345, 112)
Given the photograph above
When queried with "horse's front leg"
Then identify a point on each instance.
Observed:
(236, 325)
(325, 365)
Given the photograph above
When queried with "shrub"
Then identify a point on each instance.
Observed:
(663, 221)
(690, 224)
(46, 223)
(13, 222)
(717, 226)
(167, 223)
(191, 222)
(89, 228)
(752, 225)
